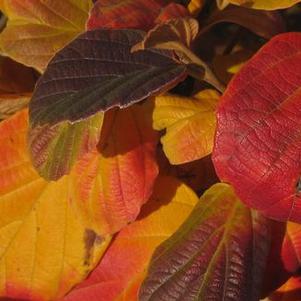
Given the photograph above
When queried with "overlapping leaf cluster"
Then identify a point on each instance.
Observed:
(150, 150)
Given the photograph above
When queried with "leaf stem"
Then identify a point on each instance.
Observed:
(209, 76)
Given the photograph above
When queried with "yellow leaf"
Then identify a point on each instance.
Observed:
(37, 29)
(46, 245)
(259, 4)
(190, 125)
(195, 6)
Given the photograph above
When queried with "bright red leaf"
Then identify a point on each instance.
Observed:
(137, 14)
(258, 143)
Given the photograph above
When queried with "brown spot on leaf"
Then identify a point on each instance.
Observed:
(91, 238)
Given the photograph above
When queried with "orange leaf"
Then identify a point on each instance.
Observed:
(124, 173)
(291, 248)
(290, 291)
(47, 246)
(195, 6)
(122, 269)
(63, 227)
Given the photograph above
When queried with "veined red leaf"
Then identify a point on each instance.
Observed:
(219, 253)
(258, 146)
(96, 72)
(135, 14)
(122, 269)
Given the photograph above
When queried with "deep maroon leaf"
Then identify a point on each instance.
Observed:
(96, 72)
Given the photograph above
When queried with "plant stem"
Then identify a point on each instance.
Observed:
(209, 76)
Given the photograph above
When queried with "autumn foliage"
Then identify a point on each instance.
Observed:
(150, 150)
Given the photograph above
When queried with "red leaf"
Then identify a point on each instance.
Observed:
(172, 11)
(275, 265)
(258, 143)
(135, 14)
(291, 248)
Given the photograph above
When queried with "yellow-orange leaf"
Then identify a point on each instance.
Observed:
(37, 29)
(124, 172)
(122, 269)
(190, 125)
(195, 6)
(46, 246)
(259, 4)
